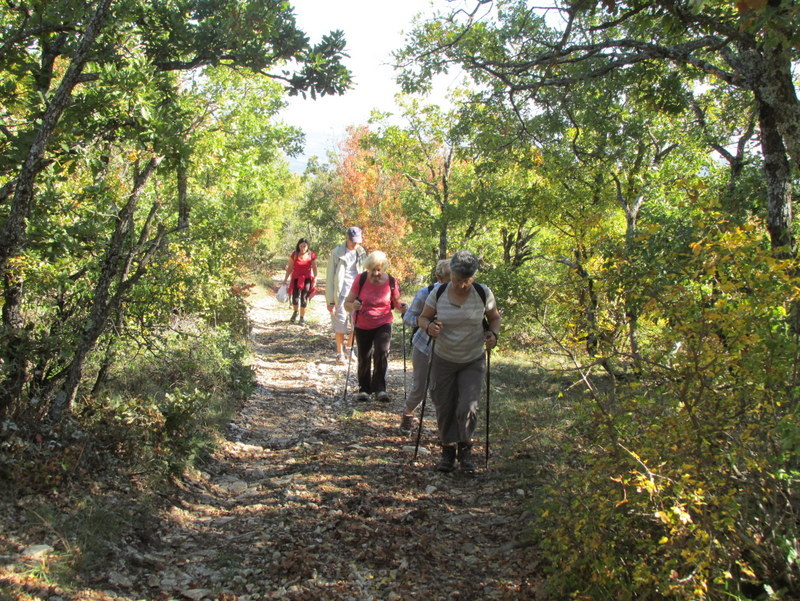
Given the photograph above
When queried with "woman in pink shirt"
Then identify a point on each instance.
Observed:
(373, 296)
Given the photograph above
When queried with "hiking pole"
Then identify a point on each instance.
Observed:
(405, 396)
(350, 356)
(488, 384)
(424, 398)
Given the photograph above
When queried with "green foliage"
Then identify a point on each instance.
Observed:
(618, 248)
(688, 475)
(160, 410)
(259, 35)
(316, 215)
(162, 434)
(158, 175)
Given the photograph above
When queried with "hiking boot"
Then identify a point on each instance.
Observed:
(361, 397)
(465, 458)
(448, 461)
(341, 359)
(382, 397)
(293, 317)
(407, 423)
(302, 320)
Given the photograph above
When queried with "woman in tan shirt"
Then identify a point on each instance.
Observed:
(454, 318)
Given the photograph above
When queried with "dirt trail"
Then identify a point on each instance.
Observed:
(312, 497)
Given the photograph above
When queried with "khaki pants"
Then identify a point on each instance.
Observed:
(455, 391)
(339, 316)
(419, 366)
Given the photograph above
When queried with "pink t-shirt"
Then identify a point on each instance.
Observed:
(376, 303)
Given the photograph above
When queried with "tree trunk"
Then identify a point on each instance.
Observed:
(631, 222)
(13, 237)
(776, 89)
(183, 203)
(114, 268)
(443, 241)
(508, 242)
(110, 354)
(779, 183)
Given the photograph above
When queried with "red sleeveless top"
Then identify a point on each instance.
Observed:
(302, 267)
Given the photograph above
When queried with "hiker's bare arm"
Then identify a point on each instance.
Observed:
(490, 335)
(493, 315)
(426, 322)
(289, 269)
(399, 304)
(351, 303)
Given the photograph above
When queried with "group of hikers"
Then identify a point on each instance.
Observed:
(455, 320)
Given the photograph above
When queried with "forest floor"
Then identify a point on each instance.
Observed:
(311, 496)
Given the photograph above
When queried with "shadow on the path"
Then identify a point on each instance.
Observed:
(314, 497)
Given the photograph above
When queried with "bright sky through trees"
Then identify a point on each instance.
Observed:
(373, 30)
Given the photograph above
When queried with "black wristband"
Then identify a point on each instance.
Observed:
(495, 335)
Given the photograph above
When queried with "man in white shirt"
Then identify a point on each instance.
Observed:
(343, 267)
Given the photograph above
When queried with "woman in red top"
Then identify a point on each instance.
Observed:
(302, 267)
(373, 302)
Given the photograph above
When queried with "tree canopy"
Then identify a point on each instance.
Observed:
(623, 170)
(668, 51)
(99, 116)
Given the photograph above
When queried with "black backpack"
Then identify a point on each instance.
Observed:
(481, 292)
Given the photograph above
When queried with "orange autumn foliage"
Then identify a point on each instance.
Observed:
(370, 197)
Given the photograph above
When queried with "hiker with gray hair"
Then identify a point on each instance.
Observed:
(420, 347)
(453, 317)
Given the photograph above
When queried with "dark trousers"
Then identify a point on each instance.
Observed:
(373, 357)
(301, 294)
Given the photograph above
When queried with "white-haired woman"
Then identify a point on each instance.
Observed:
(372, 297)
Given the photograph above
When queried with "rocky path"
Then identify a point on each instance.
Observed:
(312, 497)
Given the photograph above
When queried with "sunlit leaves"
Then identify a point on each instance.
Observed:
(188, 85)
(260, 35)
(651, 261)
(371, 197)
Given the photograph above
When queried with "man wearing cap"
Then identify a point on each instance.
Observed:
(343, 267)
